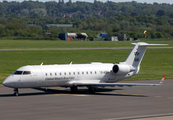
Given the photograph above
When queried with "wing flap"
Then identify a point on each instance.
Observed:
(113, 84)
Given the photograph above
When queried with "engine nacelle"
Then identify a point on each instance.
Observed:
(122, 69)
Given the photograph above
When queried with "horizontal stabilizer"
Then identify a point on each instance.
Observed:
(146, 44)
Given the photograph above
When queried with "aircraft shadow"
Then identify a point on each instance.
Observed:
(99, 91)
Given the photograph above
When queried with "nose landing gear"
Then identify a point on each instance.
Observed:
(16, 92)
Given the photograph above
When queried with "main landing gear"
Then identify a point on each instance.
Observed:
(74, 89)
(91, 89)
(16, 92)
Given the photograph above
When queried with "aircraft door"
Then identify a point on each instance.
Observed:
(38, 75)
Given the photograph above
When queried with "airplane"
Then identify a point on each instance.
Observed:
(91, 75)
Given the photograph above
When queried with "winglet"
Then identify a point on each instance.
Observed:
(161, 81)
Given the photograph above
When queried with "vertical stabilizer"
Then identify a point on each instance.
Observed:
(135, 57)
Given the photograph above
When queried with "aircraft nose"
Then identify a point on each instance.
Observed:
(7, 82)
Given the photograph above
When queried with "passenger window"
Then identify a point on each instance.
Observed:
(73, 73)
(86, 72)
(18, 73)
(82, 72)
(90, 72)
(95, 72)
(59, 73)
(78, 73)
(64, 73)
(69, 73)
(46, 74)
(50, 74)
(26, 73)
(55, 74)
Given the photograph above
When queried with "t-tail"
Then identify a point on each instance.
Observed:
(135, 57)
(132, 64)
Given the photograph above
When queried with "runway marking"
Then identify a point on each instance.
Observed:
(81, 95)
(170, 97)
(146, 95)
(130, 94)
(64, 94)
(112, 93)
(142, 117)
(51, 95)
(158, 96)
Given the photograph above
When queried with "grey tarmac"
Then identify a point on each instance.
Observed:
(111, 103)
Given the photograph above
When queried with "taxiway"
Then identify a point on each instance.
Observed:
(111, 103)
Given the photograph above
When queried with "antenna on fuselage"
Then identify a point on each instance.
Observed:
(71, 63)
(41, 64)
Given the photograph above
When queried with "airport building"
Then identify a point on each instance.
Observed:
(73, 36)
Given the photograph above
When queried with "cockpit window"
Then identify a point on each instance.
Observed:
(17, 72)
(26, 72)
(22, 72)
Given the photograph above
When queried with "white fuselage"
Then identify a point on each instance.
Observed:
(63, 75)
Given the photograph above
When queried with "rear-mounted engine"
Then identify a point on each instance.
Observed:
(122, 69)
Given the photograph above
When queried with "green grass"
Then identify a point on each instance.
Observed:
(155, 64)
(26, 44)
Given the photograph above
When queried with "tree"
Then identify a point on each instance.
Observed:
(2, 30)
(25, 12)
(40, 11)
(152, 34)
(162, 21)
(134, 14)
(171, 15)
(115, 29)
(160, 13)
(159, 35)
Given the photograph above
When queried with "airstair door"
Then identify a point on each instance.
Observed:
(38, 75)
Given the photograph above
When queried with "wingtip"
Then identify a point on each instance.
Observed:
(163, 78)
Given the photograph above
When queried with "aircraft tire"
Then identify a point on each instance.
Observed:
(16, 92)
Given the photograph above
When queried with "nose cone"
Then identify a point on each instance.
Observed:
(7, 82)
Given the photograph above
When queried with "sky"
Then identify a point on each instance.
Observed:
(139, 1)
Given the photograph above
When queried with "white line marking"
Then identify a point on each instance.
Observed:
(145, 116)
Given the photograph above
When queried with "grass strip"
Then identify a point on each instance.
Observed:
(31, 44)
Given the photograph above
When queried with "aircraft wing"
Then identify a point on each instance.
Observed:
(116, 84)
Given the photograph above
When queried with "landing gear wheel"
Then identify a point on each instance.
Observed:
(92, 89)
(73, 89)
(16, 92)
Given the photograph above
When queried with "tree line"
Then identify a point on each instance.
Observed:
(129, 18)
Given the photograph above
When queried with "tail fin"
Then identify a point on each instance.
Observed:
(135, 57)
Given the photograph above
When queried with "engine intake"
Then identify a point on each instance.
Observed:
(122, 69)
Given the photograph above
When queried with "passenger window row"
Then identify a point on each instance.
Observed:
(65, 73)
